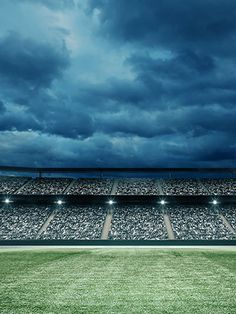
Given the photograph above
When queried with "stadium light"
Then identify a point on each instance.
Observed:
(214, 202)
(7, 201)
(111, 202)
(162, 202)
(59, 202)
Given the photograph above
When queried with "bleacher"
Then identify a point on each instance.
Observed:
(117, 208)
(125, 186)
(129, 222)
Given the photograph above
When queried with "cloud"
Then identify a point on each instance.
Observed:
(186, 79)
(162, 151)
(53, 4)
(24, 61)
(169, 24)
(101, 83)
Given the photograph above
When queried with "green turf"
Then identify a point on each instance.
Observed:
(117, 281)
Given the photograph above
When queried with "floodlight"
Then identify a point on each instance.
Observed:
(7, 201)
(214, 202)
(162, 202)
(59, 202)
(110, 202)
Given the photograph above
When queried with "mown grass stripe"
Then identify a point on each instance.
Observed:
(118, 281)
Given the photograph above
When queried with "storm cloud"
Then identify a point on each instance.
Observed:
(103, 82)
(24, 61)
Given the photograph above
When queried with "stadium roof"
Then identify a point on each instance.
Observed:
(87, 169)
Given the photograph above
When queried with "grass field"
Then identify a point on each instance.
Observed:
(117, 281)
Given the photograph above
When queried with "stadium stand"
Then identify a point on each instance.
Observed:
(76, 222)
(132, 186)
(9, 185)
(102, 208)
(137, 187)
(21, 222)
(182, 187)
(129, 222)
(220, 186)
(137, 223)
(91, 187)
(45, 186)
(195, 222)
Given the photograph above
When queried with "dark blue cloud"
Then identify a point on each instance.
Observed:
(168, 23)
(186, 79)
(24, 61)
(118, 83)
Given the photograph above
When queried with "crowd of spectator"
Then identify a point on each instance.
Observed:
(137, 223)
(21, 222)
(182, 187)
(45, 186)
(129, 222)
(220, 186)
(197, 223)
(135, 186)
(76, 222)
(9, 185)
(128, 186)
(91, 187)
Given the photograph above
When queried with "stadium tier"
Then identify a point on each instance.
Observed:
(44, 186)
(10, 185)
(91, 187)
(73, 222)
(133, 186)
(138, 223)
(198, 223)
(220, 186)
(183, 187)
(128, 222)
(22, 222)
(137, 187)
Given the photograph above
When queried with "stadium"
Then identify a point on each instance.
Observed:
(117, 157)
(124, 233)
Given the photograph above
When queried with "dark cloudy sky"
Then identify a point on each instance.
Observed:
(118, 82)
